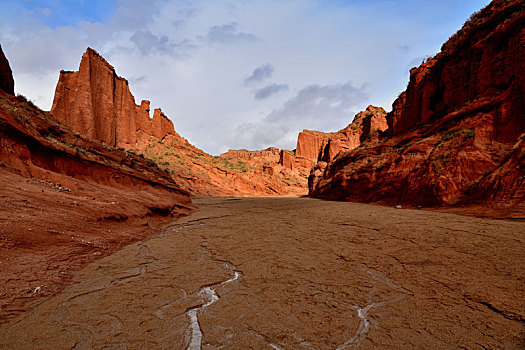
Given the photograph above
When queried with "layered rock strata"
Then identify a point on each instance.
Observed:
(315, 146)
(455, 135)
(98, 103)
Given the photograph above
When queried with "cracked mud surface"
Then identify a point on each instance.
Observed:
(312, 275)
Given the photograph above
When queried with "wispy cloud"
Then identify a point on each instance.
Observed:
(228, 34)
(269, 90)
(260, 74)
(319, 107)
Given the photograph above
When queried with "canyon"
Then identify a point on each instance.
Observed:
(117, 232)
(98, 103)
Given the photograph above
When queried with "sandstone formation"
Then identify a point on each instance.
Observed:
(96, 102)
(67, 200)
(269, 155)
(36, 146)
(455, 135)
(7, 84)
(316, 146)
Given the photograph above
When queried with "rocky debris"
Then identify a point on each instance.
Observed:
(98, 103)
(7, 83)
(453, 136)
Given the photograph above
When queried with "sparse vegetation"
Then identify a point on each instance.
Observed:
(373, 134)
(452, 134)
(232, 166)
(21, 98)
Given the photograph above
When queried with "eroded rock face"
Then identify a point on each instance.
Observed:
(7, 84)
(484, 60)
(98, 103)
(316, 146)
(454, 134)
(270, 155)
(69, 191)
(309, 144)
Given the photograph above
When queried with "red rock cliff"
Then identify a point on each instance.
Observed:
(485, 60)
(454, 134)
(98, 103)
(316, 146)
(7, 83)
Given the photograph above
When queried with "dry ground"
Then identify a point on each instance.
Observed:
(315, 275)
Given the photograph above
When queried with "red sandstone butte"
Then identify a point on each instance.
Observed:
(98, 103)
(455, 136)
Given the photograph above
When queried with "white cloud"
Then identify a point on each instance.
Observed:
(313, 107)
(194, 58)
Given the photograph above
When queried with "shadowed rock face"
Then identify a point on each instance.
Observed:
(98, 103)
(7, 83)
(484, 60)
(455, 135)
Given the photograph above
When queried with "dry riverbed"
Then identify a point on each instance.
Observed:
(295, 273)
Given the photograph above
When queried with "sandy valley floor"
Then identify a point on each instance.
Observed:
(295, 273)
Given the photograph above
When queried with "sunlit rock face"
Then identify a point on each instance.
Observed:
(98, 103)
(315, 146)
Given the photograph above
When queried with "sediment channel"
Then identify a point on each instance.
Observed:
(294, 273)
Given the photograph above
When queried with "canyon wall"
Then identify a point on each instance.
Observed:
(7, 84)
(315, 146)
(98, 103)
(482, 62)
(455, 134)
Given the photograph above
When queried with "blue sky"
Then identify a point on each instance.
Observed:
(56, 13)
(235, 74)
